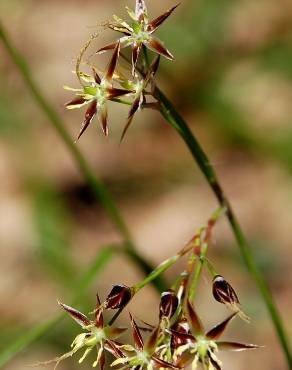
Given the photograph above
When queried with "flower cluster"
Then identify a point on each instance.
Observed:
(97, 88)
(178, 338)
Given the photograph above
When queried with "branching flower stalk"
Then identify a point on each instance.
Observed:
(175, 341)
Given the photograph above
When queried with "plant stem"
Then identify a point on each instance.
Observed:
(211, 268)
(187, 248)
(165, 265)
(156, 272)
(98, 188)
(197, 273)
(204, 238)
(158, 282)
(169, 112)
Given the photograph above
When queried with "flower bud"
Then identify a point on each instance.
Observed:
(223, 291)
(168, 304)
(119, 296)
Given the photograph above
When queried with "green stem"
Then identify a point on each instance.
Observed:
(165, 265)
(98, 188)
(176, 121)
(197, 274)
(153, 276)
(204, 238)
(158, 281)
(211, 268)
(156, 272)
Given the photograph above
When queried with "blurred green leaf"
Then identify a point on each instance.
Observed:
(276, 57)
(11, 124)
(79, 290)
(202, 28)
(235, 128)
(53, 230)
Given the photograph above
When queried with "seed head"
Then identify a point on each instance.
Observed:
(168, 304)
(224, 293)
(119, 297)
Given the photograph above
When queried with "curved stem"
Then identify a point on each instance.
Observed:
(99, 190)
(176, 121)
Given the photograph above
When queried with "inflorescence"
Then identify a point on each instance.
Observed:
(178, 338)
(133, 85)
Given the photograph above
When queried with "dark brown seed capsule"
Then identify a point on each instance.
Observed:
(168, 304)
(119, 296)
(223, 291)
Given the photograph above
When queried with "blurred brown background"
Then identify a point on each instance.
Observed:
(232, 81)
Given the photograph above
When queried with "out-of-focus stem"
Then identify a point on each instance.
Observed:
(33, 334)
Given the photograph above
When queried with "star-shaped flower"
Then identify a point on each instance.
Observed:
(96, 335)
(141, 355)
(138, 86)
(140, 32)
(202, 347)
(95, 93)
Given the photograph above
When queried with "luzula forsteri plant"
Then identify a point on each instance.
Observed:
(178, 339)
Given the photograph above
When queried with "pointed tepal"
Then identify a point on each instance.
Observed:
(196, 325)
(152, 341)
(113, 63)
(98, 313)
(153, 25)
(219, 329)
(139, 344)
(234, 346)
(156, 45)
(140, 11)
(89, 115)
(76, 315)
